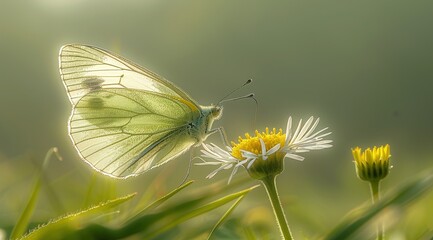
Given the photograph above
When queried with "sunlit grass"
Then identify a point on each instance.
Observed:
(188, 212)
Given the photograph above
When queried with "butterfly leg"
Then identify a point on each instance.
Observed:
(222, 133)
(189, 168)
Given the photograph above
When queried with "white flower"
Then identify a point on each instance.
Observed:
(247, 151)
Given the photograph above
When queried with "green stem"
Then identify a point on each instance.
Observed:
(375, 196)
(271, 189)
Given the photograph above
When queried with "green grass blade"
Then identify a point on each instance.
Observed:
(161, 200)
(23, 221)
(400, 198)
(226, 214)
(67, 225)
(182, 217)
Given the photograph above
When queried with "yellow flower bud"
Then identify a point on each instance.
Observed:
(372, 164)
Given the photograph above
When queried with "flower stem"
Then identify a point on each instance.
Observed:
(375, 189)
(271, 189)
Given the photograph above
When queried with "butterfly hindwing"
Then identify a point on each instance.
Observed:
(124, 132)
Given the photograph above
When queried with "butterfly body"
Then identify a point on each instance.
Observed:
(125, 119)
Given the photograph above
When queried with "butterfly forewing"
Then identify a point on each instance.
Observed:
(124, 132)
(86, 68)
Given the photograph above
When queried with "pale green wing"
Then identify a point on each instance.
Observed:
(86, 68)
(124, 132)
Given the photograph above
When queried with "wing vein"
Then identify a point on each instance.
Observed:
(123, 154)
(145, 151)
(121, 109)
(96, 137)
(109, 145)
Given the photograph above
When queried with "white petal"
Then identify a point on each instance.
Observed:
(294, 156)
(302, 150)
(251, 162)
(304, 129)
(241, 163)
(273, 149)
(207, 163)
(295, 135)
(247, 154)
(262, 144)
(289, 129)
(312, 127)
(213, 173)
(209, 151)
(220, 150)
(235, 169)
(318, 132)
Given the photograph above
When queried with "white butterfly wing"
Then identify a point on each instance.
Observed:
(86, 68)
(125, 119)
(124, 132)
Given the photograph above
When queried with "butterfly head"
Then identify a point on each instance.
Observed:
(216, 112)
(209, 115)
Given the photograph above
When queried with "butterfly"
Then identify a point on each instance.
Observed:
(125, 119)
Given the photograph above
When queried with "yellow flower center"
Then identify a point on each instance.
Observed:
(252, 143)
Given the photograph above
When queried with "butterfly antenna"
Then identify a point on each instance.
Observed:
(251, 95)
(235, 90)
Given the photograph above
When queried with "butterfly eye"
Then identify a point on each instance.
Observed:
(217, 112)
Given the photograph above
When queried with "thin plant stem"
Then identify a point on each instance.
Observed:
(375, 196)
(271, 189)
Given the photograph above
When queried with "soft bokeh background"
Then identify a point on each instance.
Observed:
(364, 67)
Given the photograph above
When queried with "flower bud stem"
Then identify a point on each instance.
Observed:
(271, 188)
(375, 189)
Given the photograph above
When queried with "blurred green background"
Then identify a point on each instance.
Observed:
(364, 67)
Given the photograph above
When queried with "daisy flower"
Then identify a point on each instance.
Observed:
(265, 151)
